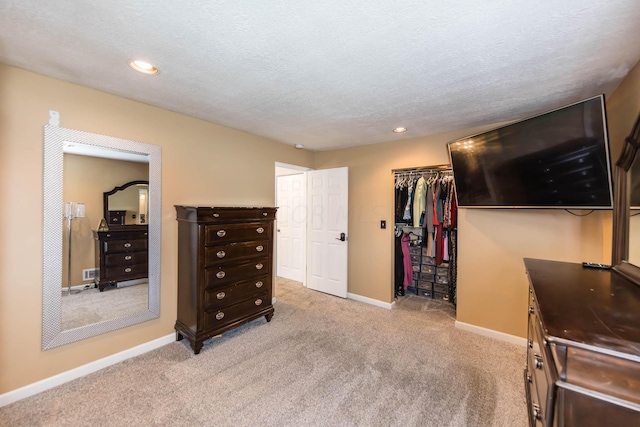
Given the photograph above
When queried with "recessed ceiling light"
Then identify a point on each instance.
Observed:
(299, 146)
(143, 67)
(400, 130)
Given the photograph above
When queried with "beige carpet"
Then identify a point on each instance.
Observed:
(321, 361)
(89, 306)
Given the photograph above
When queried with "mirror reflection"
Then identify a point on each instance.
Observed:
(105, 273)
(78, 169)
(634, 213)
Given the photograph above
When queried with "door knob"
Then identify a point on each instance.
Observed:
(343, 237)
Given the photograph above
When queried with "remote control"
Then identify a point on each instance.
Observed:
(596, 265)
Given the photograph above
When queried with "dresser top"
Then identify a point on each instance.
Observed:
(587, 307)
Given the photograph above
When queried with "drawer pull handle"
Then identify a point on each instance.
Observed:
(259, 248)
(538, 363)
(259, 266)
(216, 215)
(260, 230)
(108, 235)
(537, 413)
(128, 257)
(264, 214)
(259, 284)
(127, 245)
(258, 301)
(221, 233)
(220, 295)
(529, 379)
(219, 316)
(127, 270)
(220, 274)
(221, 254)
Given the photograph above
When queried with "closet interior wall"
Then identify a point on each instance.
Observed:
(425, 233)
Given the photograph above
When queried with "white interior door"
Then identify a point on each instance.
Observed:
(327, 198)
(291, 227)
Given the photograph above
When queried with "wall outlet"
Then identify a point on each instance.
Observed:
(89, 274)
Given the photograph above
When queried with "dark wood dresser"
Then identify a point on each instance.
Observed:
(583, 354)
(121, 255)
(225, 257)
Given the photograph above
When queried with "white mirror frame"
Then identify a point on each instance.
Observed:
(54, 137)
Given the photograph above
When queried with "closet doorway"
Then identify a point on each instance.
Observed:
(312, 227)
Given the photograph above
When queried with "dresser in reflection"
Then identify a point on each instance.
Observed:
(583, 353)
(121, 255)
(225, 257)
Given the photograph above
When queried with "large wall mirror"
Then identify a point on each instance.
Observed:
(88, 180)
(626, 220)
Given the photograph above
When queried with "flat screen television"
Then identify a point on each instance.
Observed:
(559, 159)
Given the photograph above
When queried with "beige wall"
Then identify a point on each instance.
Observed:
(202, 163)
(85, 180)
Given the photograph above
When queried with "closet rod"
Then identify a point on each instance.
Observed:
(422, 168)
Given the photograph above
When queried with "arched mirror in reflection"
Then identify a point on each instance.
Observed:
(99, 278)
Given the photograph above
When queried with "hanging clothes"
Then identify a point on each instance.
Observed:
(425, 209)
(406, 260)
(402, 195)
(407, 209)
(428, 221)
(419, 202)
(399, 267)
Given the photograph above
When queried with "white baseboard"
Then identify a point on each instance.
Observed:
(371, 301)
(81, 371)
(491, 333)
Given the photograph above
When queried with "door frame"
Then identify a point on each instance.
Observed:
(283, 169)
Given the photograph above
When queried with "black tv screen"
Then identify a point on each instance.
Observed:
(559, 159)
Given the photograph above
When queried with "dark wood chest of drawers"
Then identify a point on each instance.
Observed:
(583, 353)
(225, 273)
(121, 255)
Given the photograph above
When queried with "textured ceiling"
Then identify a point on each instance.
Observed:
(332, 73)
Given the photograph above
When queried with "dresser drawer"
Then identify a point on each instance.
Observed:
(236, 251)
(230, 273)
(423, 284)
(129, 272)
(535, 410)
(441, 288)
(415, 250)
(107, 236)
(442, 280)
(428, 260)
(232, 313)
(427, 277)
(441, 295)
(216, 234)
(539, 362)
(231, 294)
(427, 269)
(225, 214)
(125, 258)
(125, 245)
